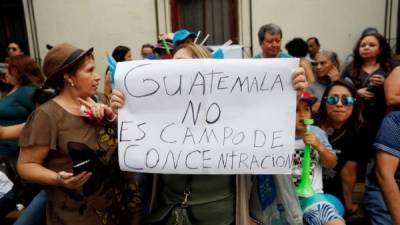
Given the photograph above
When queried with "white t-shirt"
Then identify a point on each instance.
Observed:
(316, 165)
(5, 184)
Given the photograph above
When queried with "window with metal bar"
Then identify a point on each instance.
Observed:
(219, 18)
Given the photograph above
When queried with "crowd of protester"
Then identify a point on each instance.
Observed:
(58, 142)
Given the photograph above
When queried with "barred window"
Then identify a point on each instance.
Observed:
(219, 18)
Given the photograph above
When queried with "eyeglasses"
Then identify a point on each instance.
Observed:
(346, 100)
(12, 49)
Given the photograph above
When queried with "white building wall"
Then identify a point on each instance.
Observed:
(105, 24)
(337, 23)
(101, 24)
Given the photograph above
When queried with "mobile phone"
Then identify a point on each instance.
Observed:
(371, 87)
(82, 156)
(82, 166)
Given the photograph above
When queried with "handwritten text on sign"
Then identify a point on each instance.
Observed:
(207, 116)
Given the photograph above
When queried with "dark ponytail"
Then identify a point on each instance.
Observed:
(50, 90)
(43, 94)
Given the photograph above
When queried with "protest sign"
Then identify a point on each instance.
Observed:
(205, 116)
(230, 52)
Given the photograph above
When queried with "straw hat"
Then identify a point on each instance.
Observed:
(61, 58)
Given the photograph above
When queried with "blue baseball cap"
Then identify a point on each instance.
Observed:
(181, 35)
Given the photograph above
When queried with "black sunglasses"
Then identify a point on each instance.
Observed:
(346, 100)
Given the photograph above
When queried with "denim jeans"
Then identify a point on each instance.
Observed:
(375, 205)
(35, 213)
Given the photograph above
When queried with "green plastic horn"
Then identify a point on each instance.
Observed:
(305, 189)
(164, 41)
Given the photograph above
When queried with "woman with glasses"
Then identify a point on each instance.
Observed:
(339, 117)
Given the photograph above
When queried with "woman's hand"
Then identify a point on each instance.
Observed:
(377, 80)
(96, 110)
(117, 100)
(334, 74)
(299, 81)
(69, 181)
(363, 93)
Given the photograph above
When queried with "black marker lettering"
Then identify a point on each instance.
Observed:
(178, 90)
(201, 84)
(278, 80)
(162, 134)
(218, 110)
(187, 159)
(126, 157)
(123, 129)
(194, 116)
(139, 128)
(256, 135)
(273, 144)
(156, 160)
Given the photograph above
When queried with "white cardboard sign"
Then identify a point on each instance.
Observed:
(207, 116)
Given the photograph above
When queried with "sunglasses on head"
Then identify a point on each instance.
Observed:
(346, 100)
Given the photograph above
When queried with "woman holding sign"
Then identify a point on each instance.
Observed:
(203, 199)
(69, 145)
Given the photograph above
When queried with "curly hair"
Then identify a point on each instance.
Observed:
(25, 70)
(384, 58)
(297, 47)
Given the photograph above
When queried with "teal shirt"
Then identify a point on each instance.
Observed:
(15, 109)
(280, 55)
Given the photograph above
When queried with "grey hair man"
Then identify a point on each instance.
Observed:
(270, 40)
